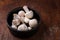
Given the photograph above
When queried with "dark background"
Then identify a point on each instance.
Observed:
(49, 11)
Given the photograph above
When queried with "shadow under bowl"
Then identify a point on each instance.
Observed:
(22, 34)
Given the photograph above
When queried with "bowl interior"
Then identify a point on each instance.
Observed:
(15, 11)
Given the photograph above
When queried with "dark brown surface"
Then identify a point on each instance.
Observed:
(49, 11)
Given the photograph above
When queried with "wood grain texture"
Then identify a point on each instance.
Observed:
(49, 11)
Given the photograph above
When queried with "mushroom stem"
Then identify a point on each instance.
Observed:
(26, 8)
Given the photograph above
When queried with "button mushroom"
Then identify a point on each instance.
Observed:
(14, 26)
(26, 20)
(25, 8)
(22, 19)
(29, 13)
(21, 13)
(33, 23)
(15, 16)
(22, 27)
(15, 21)
(29, 28)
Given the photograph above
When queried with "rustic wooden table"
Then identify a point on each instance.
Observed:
(49, 11)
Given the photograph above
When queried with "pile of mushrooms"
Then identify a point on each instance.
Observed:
(22, 18)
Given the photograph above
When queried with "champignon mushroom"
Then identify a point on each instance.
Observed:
(22, 19)
(29, 28)
(26, 20)
(25, 8)
(33, 23)
(14, 26)
(15, 16)
(15, 21)
(29, 13)
(22, 27)
(21, 13)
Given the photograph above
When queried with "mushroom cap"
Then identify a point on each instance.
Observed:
(15, 16)
(14, 26)
(22, 27)
(29, 28)
(33, 23)
(21, 13)
(26, 20)
(15, 22)
(29, 14)
(22, 19)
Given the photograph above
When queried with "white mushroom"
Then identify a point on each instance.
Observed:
(22, 27)
(29, 14)
(15, 16)
(22, 19)
(15, 21)
(26, 20)
(29, 28)
(14, 26)
(25, 8)
(33, 23)
(21, 13)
